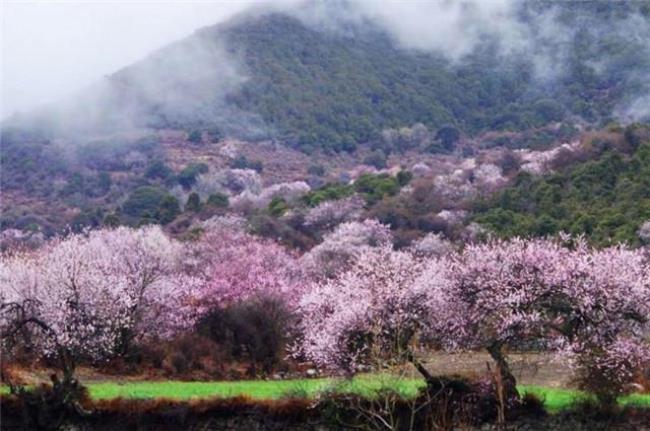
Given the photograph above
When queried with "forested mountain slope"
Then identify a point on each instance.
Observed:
(321, 98)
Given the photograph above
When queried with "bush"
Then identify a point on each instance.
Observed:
(377, 159)
(277, 207)
(316, 170)
(158, 170)
(255, 331)
(605, 375)
(187, 176)
(195, 136)
(111, 220)
(448, 136)
(404, 177)
(376, 187)
(216, 134)
(193, 203)
(331, 191)
(168, 210)
(242, 162)
(279, 229)
(188, 355)
(219, 200)
(143, 201)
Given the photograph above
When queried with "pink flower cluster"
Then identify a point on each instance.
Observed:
(570, 297)
(87, 294)
(234, 266)
(360, 302)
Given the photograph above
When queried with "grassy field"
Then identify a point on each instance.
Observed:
(554, 398)
(256, 389)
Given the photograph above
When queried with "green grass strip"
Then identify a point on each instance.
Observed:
(256, 389)
(555, 399)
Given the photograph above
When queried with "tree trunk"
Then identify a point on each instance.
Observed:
(505, 376)
(418, 366)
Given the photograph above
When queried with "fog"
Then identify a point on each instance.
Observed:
(51, 50)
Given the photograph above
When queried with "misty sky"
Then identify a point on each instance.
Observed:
(51, 49)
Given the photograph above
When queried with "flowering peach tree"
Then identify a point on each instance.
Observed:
(592, 305)
(607, 321)
(343, 245)
(234, 266)
(88, 295)
(371, 314)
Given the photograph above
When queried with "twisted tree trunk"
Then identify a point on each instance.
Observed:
(505, 376)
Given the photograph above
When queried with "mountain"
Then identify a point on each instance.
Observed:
(275, 75)
(333, 92)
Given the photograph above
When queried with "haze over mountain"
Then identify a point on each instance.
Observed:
(362, 68)
(333, 83)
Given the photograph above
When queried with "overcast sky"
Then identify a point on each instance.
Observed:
(50, 49)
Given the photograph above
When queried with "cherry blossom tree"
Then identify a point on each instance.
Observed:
(342, 246)
(588, 303)
(369, 315)
(89, 295)
(494, 296)
(488, 178)
(329, 214)
(234, 266)
(432, 245)
(608, 301)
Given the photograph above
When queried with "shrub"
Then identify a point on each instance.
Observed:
(195, 136)
(331, 191)
(448, 136)
(376, 187)
(277, 207)
(316, 170)
(377, 159)
(242, 162)
(404, 177)
(608, 371)
(187, 177)
(168, 210)
(111, 220)
(143, 200)
(193, 203)
(219, 200)
(216, 134)
(158, 169)
(255, 330)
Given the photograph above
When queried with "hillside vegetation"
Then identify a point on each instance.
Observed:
(606, 199)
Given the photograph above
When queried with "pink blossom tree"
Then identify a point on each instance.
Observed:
(88, 295)
(587, 302)
(495, 296)
(329, 214)
(235, 266)
(249, 289)
(373, 314)
(608, 302)
(343, 245)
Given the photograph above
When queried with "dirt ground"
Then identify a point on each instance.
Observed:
(529, 368)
